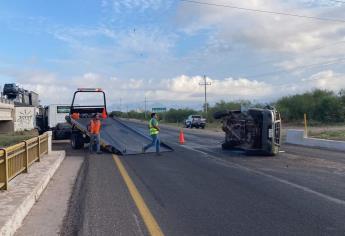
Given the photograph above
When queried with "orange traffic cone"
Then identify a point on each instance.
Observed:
(181, 137)
(104, 114)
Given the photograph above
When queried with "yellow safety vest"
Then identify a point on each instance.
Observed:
(153, 130)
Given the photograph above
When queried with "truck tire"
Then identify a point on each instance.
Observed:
(228, 145)
(220, 114)
(77, 141)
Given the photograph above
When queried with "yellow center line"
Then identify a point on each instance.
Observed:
(144, 211)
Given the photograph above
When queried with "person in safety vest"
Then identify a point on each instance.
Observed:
(154, 131)
(95, 130)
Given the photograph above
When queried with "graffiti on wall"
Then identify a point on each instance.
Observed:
(24, 118)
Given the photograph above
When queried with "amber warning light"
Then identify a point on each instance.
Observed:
(90, 89)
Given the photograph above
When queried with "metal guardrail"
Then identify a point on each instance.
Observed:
(6, 101)
(16, 159)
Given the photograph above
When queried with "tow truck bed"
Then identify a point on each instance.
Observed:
(119, 137)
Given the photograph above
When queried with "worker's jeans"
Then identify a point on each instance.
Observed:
(95, 141)
(155, 142)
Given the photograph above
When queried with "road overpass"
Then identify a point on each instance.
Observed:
(6, 115)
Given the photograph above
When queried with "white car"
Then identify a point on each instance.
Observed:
(195, 121)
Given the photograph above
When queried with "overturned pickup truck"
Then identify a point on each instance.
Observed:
(256, 131)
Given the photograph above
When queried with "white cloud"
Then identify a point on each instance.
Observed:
(121, 45)
(179, 90)
(140, 54)
(131, 5)
(261, 31)
(326, 80)
(228, 88)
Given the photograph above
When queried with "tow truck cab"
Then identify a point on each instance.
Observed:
(96, 105)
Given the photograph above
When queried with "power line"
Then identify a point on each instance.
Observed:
(266, 11)
(312, 50)
(298, 68)
(337, 1)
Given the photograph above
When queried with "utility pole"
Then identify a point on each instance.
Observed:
(205, 83)
(121, 105)
(145, 108)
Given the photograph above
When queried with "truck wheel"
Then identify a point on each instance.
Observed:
(228, 145)
(77, 141)
(220, 114)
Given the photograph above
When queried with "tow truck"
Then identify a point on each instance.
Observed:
(116, 136)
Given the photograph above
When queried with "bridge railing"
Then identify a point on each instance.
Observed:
(6, 101)
(16, 159)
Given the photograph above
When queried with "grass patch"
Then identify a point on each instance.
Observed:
(331, 135)
(7, 140)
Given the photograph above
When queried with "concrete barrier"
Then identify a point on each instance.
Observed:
(6, 117)
(297, 137)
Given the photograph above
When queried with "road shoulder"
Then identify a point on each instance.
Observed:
(49, 211)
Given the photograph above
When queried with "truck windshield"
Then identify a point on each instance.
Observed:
(9, 85)
(89, 99)
(196, 117)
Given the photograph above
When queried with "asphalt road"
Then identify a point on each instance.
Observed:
(201, 190)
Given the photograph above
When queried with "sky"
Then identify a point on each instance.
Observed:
(161, 49)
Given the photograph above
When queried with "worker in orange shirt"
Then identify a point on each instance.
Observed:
(95, 130)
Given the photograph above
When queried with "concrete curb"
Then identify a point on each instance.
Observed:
(297, 137)
(24, 206)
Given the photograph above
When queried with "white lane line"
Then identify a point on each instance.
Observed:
(291, 184)
(137, 222)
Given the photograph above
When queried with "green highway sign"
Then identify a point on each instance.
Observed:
(159, 109)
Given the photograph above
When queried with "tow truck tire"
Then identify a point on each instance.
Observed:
(77, 141)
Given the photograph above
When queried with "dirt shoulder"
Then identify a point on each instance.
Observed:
(331, 132)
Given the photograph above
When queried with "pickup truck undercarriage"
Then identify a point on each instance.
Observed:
(256, 130)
